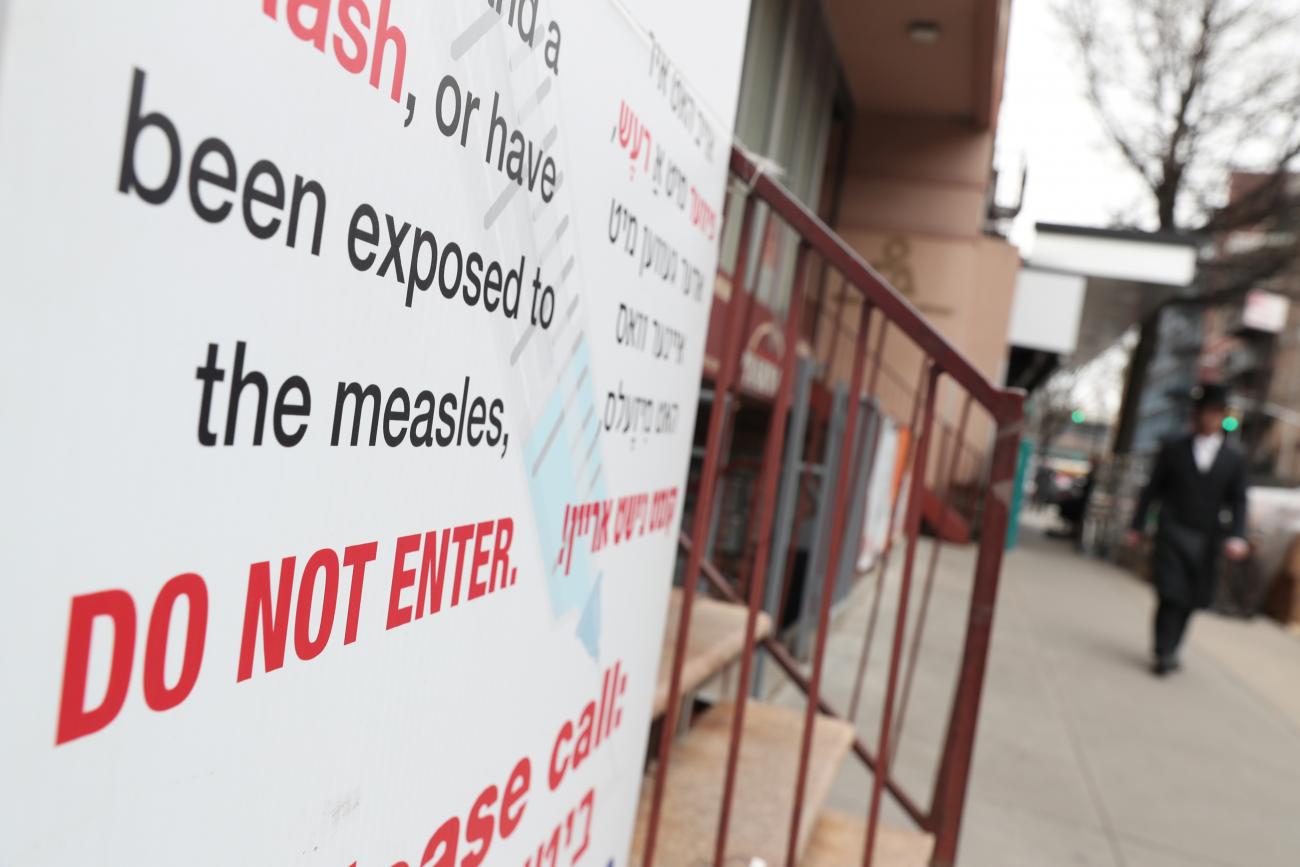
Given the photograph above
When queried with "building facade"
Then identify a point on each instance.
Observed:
(881, 120)
(1252, 344)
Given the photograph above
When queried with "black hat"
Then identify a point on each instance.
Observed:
(1210, 394)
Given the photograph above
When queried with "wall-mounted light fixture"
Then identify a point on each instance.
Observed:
(925, 32)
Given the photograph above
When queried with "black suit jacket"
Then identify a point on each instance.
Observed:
(1197, 511)
(1213, 502)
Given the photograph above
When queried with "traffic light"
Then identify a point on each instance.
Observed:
(1078, 416)
(1230, 424)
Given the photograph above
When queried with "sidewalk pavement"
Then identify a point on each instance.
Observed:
(1083, 757)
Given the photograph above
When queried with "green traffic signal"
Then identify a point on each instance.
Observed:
(1230, 424)
(1078, 417)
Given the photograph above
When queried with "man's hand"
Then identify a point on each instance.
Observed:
(1236, 548)
(1133, 538)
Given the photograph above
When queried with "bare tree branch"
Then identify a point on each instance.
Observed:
(1189, 92)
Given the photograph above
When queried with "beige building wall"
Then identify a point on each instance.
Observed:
(922, 174)
(913, 204)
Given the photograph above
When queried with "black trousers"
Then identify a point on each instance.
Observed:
(1170, 626)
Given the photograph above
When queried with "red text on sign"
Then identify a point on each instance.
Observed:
(596, 723)
(495, 812)
(613, 522)
(267, 609)
(115, 609)
(353, 41)
(481, 565)
(571, 835)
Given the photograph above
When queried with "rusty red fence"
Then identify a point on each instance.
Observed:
(970, 473)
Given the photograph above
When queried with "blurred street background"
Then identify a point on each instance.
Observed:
(1098, 202)
(1083, 757)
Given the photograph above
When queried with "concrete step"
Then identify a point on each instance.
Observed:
(837, 840)
(764, 795)
(716, 640)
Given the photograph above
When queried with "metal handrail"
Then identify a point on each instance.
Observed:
(940, 359)
(1001, 403)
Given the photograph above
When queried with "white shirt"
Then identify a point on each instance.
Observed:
(1205, 449)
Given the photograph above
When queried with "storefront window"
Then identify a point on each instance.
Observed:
(787, 94)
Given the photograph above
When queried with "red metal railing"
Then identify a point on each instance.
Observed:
(946, 378)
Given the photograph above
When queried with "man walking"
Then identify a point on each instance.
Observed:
(1200, 483)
